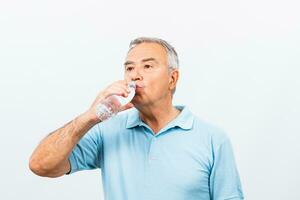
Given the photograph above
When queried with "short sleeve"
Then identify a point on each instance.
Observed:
(87, 153)
(224, 178)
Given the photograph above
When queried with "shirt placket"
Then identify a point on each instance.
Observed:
(151, 167)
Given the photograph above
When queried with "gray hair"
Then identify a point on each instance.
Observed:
(173, 62)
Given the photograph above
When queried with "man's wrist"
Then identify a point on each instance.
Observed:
(90, 118)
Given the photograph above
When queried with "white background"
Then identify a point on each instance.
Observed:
(239, 70)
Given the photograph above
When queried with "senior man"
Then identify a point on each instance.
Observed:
(154, 149)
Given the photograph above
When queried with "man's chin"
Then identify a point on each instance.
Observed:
(137, 101)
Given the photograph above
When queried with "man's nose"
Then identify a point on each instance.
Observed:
(136, 75)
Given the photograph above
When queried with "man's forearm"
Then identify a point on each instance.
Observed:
(50, 158)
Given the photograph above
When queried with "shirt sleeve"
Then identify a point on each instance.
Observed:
(224, 178)
(87, 153)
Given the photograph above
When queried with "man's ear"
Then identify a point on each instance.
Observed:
(174, 76)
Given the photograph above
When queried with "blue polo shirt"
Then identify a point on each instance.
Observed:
(188, 159)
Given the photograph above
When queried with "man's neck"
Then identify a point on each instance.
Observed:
(157, 116)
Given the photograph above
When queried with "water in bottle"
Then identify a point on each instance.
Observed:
(112, 104)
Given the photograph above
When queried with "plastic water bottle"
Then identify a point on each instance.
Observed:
(112, 104)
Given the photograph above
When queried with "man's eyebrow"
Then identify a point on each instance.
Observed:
(128, 63)
(143, 60)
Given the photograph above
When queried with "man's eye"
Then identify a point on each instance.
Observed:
(129, 68)
(147, 66)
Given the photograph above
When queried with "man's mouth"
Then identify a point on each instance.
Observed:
(139, 85)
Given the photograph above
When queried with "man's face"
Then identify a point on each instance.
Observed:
(147, 64)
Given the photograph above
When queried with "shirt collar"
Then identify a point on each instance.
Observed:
(184, 120)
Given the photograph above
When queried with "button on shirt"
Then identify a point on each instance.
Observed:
(188, 159)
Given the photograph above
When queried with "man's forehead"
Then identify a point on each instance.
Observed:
(128, 62)
(146, 51)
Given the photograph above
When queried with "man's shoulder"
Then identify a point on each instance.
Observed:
(210, 130)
